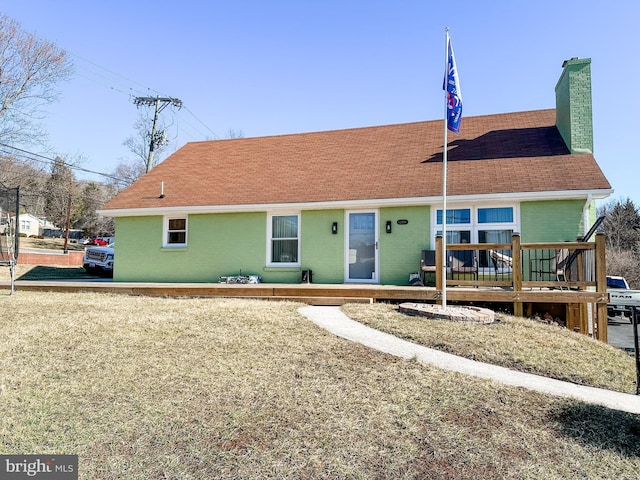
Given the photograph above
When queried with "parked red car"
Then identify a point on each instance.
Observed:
(99, 242)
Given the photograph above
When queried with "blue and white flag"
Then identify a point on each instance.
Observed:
(454, 95)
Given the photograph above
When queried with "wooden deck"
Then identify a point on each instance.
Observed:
(580, 299)
(568, 302)
(316, 293)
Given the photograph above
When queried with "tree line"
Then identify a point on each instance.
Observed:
(622, 229)
(56, 195)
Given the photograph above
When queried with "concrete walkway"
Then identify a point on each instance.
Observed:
(336, 322)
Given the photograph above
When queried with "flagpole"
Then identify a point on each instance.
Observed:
(444, 177)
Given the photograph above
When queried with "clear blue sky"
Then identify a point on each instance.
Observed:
(276, 67)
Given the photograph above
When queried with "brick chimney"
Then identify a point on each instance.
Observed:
(574, 115)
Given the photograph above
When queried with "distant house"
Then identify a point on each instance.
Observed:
(359, 205)
(32, 226)
(29, 225)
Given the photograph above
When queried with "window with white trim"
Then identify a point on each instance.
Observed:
(284, 240)
(175, 232)
(479, 225)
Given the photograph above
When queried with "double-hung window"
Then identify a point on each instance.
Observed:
(480, 225)
(175, 232)
(495, 225)
(458, 225)
(284, 240)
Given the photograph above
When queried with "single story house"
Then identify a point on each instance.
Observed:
(359, 205)
(30, 226)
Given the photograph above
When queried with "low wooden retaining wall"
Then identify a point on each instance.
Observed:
(70, 259)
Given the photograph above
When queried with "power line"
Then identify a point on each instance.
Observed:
(108, 78)
(104, 85)
(202, 123)
(182, 121)
(52, 161)
(113, 73)
(158, 94)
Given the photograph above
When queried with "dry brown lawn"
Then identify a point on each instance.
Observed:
(153, 388)
(517, 343)
(50, 244)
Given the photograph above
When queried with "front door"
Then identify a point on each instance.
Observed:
(361, 263)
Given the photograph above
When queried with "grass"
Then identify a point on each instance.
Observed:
(46, 272)
(152, 388)
(43, 272)
(50, 244)
(516, 343)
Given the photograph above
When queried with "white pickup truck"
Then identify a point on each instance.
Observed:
(99, 260)
(621, 297)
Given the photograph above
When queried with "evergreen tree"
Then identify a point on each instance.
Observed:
(59, 193)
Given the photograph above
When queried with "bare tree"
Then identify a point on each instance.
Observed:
(129, 172)
(625, 264)
(622, 225)
(138, 144)
(232, 133)
(31, 179)
(27, 175)
(30, 68)
(622, 228)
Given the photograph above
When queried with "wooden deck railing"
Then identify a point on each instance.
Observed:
(565, 267)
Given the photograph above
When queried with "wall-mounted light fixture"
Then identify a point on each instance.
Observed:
(334, 228)
(388, 226)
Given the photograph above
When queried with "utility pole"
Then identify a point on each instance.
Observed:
(159, 103)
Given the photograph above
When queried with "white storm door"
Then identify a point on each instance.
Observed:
(361, 249)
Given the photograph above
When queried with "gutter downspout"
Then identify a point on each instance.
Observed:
(585, 214)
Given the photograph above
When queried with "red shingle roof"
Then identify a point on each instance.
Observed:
(503, 153)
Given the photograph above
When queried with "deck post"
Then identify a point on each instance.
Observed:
(517, 273)
(601, 287)
(439, 269)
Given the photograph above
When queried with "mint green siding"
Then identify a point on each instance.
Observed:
(552, 221)
(322, 251)
(226, 244)
(217, 245)
(230, 243)
(400, 249)
(134, 237)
